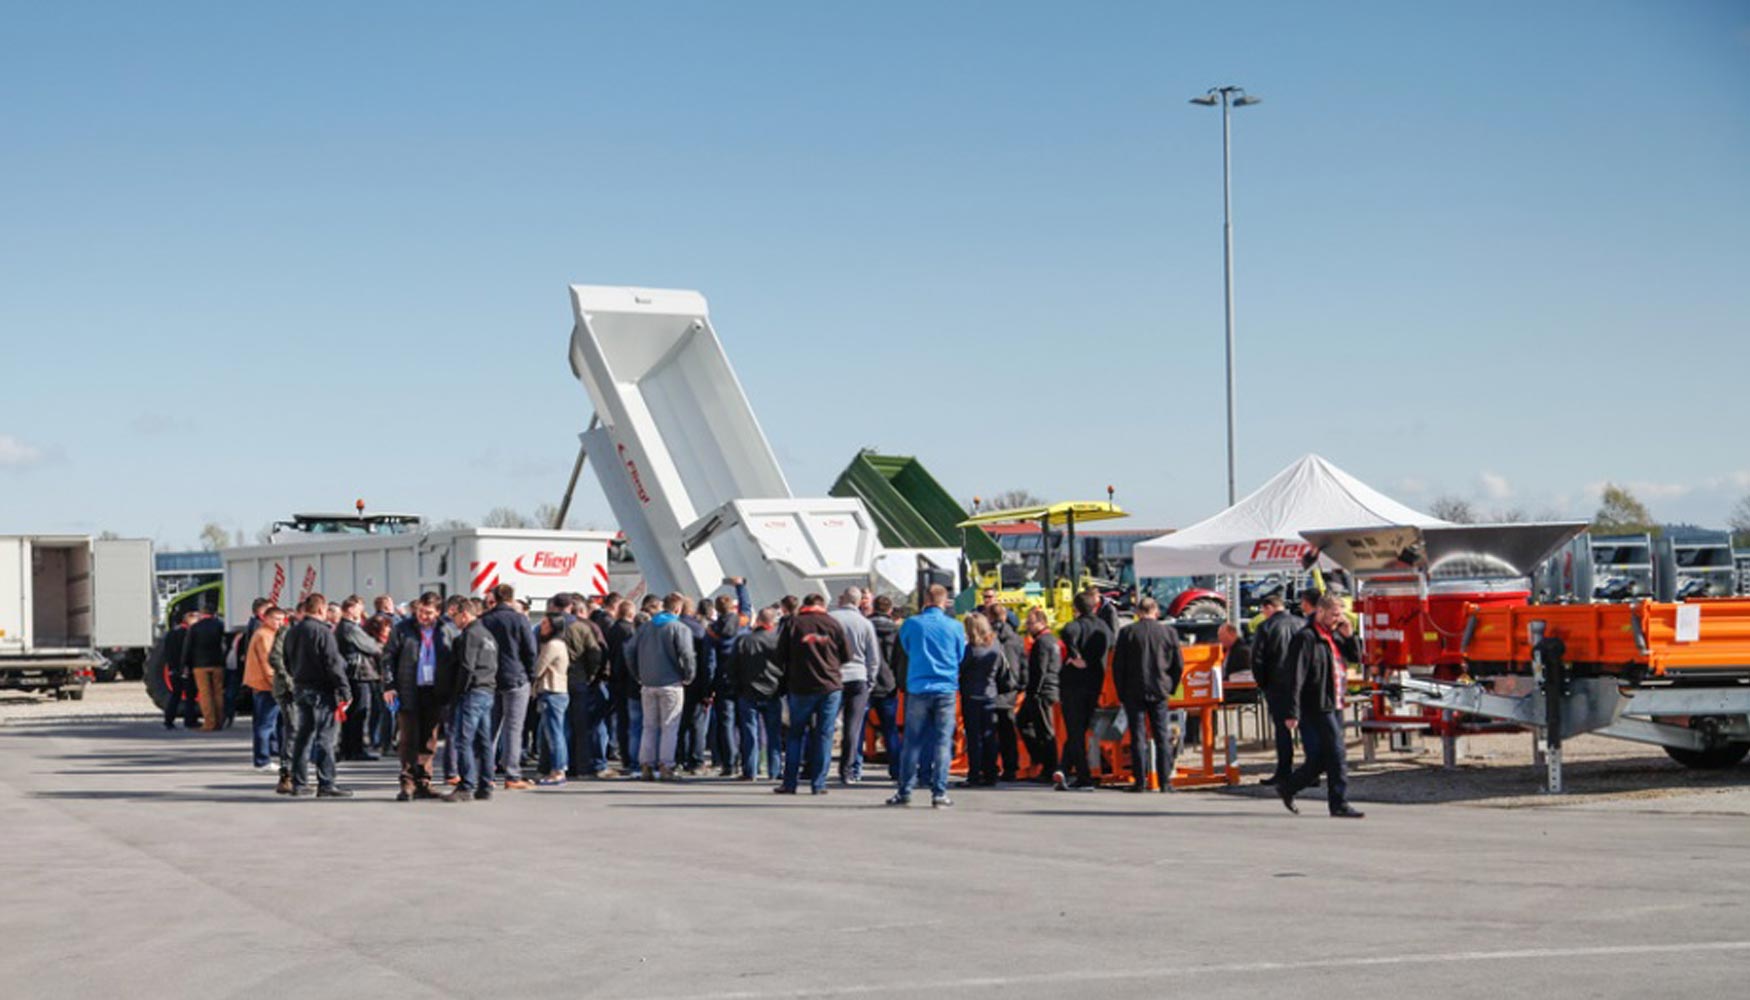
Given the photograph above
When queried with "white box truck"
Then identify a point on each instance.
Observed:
(466, 561)
(66, 598)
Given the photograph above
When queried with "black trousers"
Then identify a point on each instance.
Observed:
(1284, 738)
(1146, 718)
(182, 700)
(1078, 715)
(1008, 740)
(1038, 725)
(1321, 737)
(354, 732)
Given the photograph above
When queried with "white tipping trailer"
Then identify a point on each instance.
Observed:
(684, 464)
(467, 561)
(64, 599)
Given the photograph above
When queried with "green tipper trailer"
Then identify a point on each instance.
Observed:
(910, 508)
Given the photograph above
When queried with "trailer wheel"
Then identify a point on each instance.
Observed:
(74, 694)
(1711, 759)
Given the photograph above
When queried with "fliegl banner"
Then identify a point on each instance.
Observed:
(1265, 553)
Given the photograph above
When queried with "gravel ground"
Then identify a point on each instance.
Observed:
(102, 702)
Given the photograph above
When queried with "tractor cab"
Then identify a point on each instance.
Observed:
(1050, 576)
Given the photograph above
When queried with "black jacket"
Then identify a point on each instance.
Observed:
(813, 649)
(313, 659)
(174, 640)
(1089, 640)
(585, 646)
(1147, 664)
(400, 661)
(513, 636)
(1014, 664)
(1044, 663)
(1270, 652)
(757, 669)
(622, 677)
(359, 650)
(204, 645)
(1313, 688)
(479, 661)
(887, 638)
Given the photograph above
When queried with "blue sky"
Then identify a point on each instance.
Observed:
(262, 260)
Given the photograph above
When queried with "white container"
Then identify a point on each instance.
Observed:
(65, 597)
(681, 456)
(466, 561)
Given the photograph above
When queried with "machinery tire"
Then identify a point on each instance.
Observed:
(74, 694)
(1204, 607)
(1712, 759)
(156, 683)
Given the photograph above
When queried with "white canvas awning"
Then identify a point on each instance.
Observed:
(1262, 532)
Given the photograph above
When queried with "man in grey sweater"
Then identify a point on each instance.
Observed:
(858, 673)
(664, 659)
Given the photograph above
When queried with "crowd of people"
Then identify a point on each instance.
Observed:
(666, 688)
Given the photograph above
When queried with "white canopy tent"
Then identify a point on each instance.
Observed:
(1261, 533)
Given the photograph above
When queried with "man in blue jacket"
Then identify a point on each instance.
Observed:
(514, 635)
(934, 644)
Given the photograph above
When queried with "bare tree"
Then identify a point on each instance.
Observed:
(1455, 509)
(505, 517)
(1510, 515)
(547, 514)
(108, 536)
(1739, 520)
(214, 537)
(451, 524)
(1006, 500)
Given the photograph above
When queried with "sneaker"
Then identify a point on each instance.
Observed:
(1348, 812)
(669, 774)
(782, 790)
(940, 802)
(334, 793)
(899, 800)
(403, 796)
(551, 781)
(744, 777)
(425, 793)
(647, 773)
(817, 791)
(259, 768)
(1058, 782)
(607, 774)
(303, 792)
(483, 793)
(459, 795)
(517, 784)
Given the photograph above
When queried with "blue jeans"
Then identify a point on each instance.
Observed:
(751, 716)
(631, 719)
(553, 726)
(724, 751)
(887, 718)
(820, 711)
(929, 727)
(266, 728)
(473, 739)
(313, 738)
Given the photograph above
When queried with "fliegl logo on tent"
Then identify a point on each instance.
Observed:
(546, 563)
(1264, 552)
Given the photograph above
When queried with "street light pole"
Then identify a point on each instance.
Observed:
(1228, 98)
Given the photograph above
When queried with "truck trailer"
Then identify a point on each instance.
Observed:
(64, 601)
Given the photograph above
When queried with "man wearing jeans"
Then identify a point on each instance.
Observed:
(477, 668)
(814, 651)
(514, 637)
(663, 654)
(321, 691)
(933, 644)
(758, 674)
(258, 677)
(858, 671)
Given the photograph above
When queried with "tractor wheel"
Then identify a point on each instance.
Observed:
(1711, 759)
(157, 684)
(1204, 607)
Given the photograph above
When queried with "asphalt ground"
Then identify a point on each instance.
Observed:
(143, 863)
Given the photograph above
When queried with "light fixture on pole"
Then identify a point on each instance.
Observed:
(1228, 98)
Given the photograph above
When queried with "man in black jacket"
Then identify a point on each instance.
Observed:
(478, 671)
(1270, 669)
(1086, 642)
(758, 675)
(203, 657)
(318, 675)
(361, 653)
(419, 670)
(180, 697)
(1036, 718)
(884, 692)
(1317, 694)
(1146, 667)
(514, 638)
(1008, 689)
